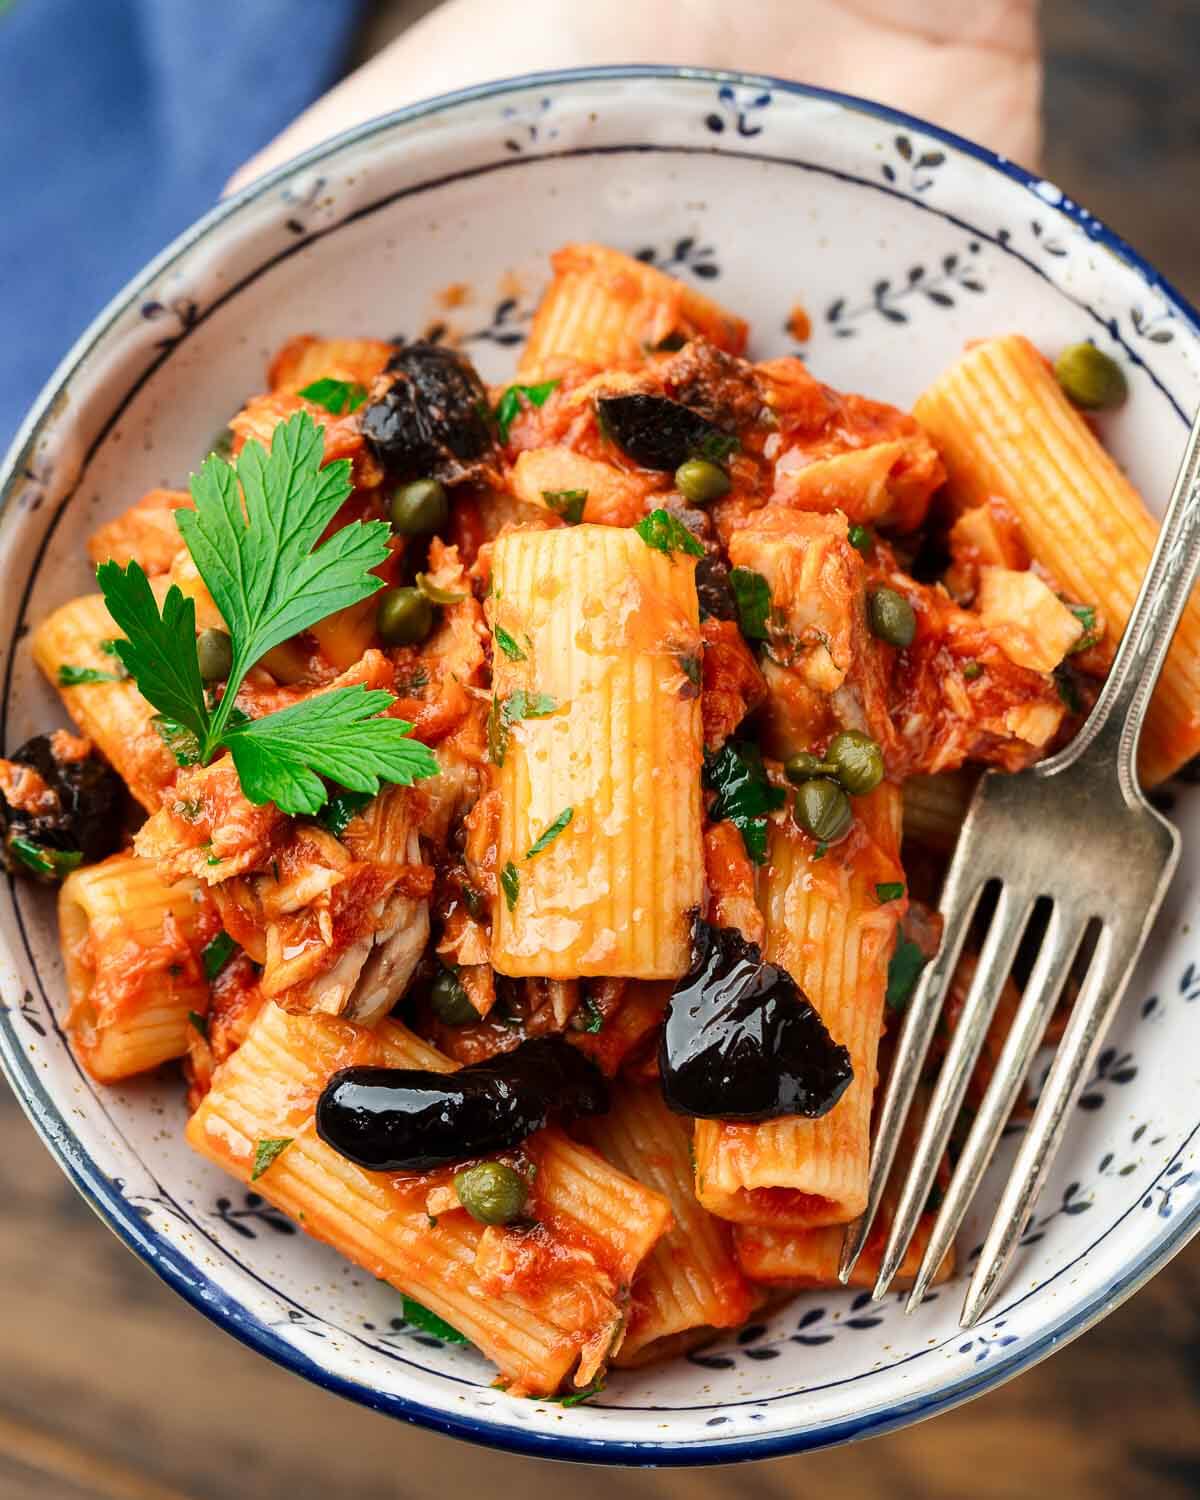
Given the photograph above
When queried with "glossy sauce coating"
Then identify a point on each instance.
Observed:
(742, 1043)
(407, 1120)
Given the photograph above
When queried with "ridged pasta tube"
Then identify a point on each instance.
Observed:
(596, 736)
(538, 1306)
(829, 928)
(131, 946)
(113, 715)
(1005, 429)
(604, 308)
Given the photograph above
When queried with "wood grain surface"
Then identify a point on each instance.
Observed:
(112, 1388)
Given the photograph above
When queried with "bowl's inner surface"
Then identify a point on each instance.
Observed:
(899, 247)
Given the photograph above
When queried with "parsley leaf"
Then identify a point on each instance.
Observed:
(666, 533)
(566, 503)
(971, 670)
(266, 1152)
(216, 954)
(890, 890)
(903, 972)
(262, 566)
(593, 1020)
(752, 596)
(508, 408)
(69, 676)
(576, 1398)
(341, 809)
(506, 712)
(336, 734)
(508, 645)
(510, 882)
(420, 1317)
(546, 839)
(159, 650)
(1086, 615)
(862, 539)
(336, 396)
(744, 795)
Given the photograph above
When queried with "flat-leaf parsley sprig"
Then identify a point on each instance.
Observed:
(253, 537)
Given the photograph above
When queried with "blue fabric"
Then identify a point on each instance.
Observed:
(121, 121)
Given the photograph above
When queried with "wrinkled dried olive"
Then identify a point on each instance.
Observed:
(80, 820)
(661, 434)
(742, 1042)
(405, 1120)
(713, 588)
(431, 418)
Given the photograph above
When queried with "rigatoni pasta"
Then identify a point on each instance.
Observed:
(1005, 428)
(521, 778)
(135, 975)
(596, 735)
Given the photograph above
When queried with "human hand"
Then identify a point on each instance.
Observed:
(975, 68)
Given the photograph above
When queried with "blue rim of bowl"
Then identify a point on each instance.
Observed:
(161, 1256)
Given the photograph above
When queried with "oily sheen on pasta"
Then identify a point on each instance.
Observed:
(536, 795)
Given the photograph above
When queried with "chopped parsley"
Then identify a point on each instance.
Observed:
(752, 596)
(336, 396)
(862, 539)
(593, 1021)
(76, 676)
(508, 408)
(510, 883)
(577, 1398)
(254, 536)
(744, 795)
(568, 504)
(1067, 690)
(341, 808)
(819, 852)
(508, 645)
(971, 670)
(407, 686)
(1086, 615)
(199, 1022)
(421, 1317)
(544, 840)
(903, 972)
(717, 446)
(890, 890)
(216, 954)
(506, 712)
(266, 1152)
(666, 533)
(692, 668)
(43, 861)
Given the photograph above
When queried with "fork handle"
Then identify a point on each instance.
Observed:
(1111, 733)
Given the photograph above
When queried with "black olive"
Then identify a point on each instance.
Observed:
(741, 1042)
(405, 1120)
(661, 434)
(713, 588)
(429, 417)
(81, 825)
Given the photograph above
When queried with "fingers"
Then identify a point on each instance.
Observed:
(974, 69)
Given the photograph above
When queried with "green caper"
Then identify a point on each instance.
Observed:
(491, 1192)
(214, 651)
(803, 767)
(891, 617)
(450, 1001)
(700, 481)
(823, 809)
(419, 508)
(858, 761)
(403, 616)
(1090, 379)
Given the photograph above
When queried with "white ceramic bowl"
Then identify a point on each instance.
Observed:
(902, 242)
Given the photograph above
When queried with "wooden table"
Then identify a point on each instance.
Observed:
(112, 1387)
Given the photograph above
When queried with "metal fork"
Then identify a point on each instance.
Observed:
(1076, 834)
